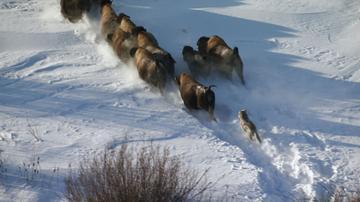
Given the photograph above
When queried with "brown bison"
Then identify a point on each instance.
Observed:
(195, 95)
(248, 126)
(196, 62)
(150, 70)
(73, 10)
(148, 41)
(164, 57)
(108, 20)
(222, 57)
(122, 42)
(144, 38)
(125, 23)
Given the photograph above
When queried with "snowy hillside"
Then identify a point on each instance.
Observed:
(64, 95)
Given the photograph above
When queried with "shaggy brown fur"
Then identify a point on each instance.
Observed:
(73, 9)
(195, 95)
(164, 57)
(125, 23)
(196, 62)
(148, 41)
(122, 42)
(223, 58)
(108, 20)
(202, 44)
(144, 38)
(248, 126)
(149, 69)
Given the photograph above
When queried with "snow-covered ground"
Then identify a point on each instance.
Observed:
(65, 95)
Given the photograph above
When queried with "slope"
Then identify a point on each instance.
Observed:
(65, 95)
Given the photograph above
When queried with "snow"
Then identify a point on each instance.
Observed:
(64, 95)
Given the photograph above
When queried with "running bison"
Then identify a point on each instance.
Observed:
(195, 95)
(150, 70)
(222, 58)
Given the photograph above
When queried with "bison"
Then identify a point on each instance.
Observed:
(196, 62)
(125, 23)
(73, 10)
(195, 95)
(164, 57)
(221, 56)
(150, 70)
(122, 42)
(108, 20)
(147, 40)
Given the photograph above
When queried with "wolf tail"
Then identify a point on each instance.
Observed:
(257, 136)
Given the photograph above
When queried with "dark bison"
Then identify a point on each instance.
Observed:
(108, 19)
(221, 56)
(73, 10)
(195, 95)
(196, 62)
(150, 70)
(122, 42)
(147, 40)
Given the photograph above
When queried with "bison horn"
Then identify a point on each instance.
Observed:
(211, 86)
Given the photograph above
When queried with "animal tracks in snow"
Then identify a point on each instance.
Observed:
(8, 136)
(25, 63)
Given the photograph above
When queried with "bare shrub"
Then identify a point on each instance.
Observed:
(3, 168)
(33, 132)
(148, 174)
(30, 170)
(341, 195)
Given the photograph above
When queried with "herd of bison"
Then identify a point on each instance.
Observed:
(157, 67)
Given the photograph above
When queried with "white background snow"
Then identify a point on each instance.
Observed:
(65, 95)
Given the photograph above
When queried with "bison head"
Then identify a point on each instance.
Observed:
(137, 30)
(206, 99)
(121, 16)
(104, 2)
